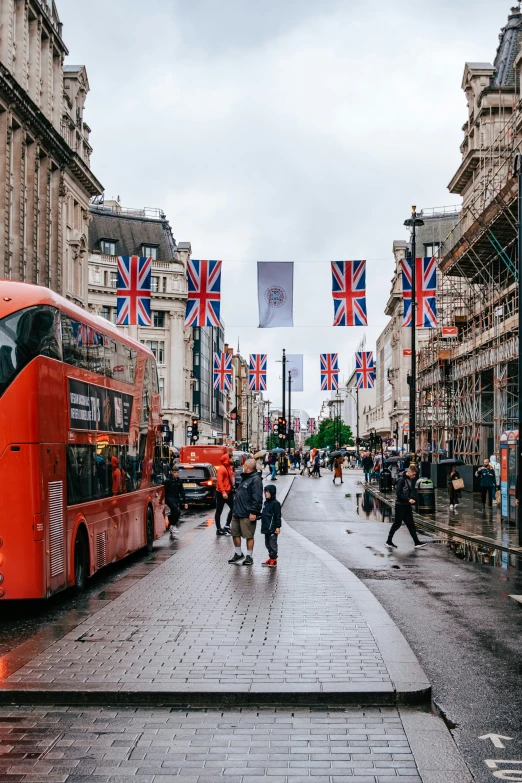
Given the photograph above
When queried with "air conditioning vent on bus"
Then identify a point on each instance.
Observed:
(56, 536)
(101, 549)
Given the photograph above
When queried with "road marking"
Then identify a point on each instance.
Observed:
(515, 775)
(496, 739)
(516, 598)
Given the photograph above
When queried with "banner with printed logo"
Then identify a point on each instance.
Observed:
(275, 293)
(294, 366)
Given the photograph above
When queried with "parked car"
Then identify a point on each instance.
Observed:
(199, 481)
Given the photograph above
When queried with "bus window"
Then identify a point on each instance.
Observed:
(24, 336)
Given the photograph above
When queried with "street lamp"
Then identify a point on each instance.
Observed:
(412, 223)
(356, 399)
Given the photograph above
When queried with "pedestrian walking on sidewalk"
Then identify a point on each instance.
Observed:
(174, 498)
(338, 469)
(404, 509)
(367, 465)
(272, 465)
(454, 494)
(224, 494)
(317, 466)
(271, 524)
(487, 482)
(246, 510)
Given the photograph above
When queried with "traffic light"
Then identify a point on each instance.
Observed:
(281, 427)
(195, 430)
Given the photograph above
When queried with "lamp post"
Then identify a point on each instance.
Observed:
(356, 398)
(412, 223)
(283, 444)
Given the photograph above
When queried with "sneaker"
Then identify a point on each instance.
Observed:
(267, 562)
(391, 545)
(248, 561)
(227, 531)
(220, 532)
(420, 546)
(451, 507)
(270, 563)
(236, 558)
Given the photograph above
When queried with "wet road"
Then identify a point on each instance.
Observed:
(26, 626)
(457, 616)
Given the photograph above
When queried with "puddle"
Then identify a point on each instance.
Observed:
(369, 507)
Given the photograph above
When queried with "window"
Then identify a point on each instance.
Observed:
(158, 349)
(114, 280)
(105, 312)
(432, 250)
(158, 319)
(164, 286)
(154, 287)
(150, 251)
(24, 335)
(108, 247)
(161, 382)
(84, 347)
(100, 471)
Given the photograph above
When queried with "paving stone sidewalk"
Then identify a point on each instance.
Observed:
(236, 746)
(197, 625)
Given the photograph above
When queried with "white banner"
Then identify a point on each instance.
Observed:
(294, 366)
(275, 293)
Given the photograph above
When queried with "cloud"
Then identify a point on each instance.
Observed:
(282, 131)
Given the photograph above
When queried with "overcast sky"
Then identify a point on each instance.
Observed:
(282, 130)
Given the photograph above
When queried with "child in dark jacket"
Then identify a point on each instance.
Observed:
(271, 524)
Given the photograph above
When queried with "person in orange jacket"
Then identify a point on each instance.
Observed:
(116, 476)
(224, 494)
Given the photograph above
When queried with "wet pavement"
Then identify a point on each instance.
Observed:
(372, 745)
(304, 631)
(457, 615)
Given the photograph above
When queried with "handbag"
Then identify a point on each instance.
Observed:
(458, 483)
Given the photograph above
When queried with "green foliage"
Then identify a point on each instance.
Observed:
(326, 436)
(272, 442)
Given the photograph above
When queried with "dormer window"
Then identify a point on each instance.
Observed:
(108, 246)
(150, 251)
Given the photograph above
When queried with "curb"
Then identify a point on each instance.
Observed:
(410, 684)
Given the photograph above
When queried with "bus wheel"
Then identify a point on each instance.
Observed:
(81, 562)
(150, 529)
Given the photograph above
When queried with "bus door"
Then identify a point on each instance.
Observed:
(55, 517)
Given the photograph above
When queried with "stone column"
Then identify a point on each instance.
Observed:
(176, 358)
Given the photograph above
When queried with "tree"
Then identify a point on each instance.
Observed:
(272, 442)
(328, 434)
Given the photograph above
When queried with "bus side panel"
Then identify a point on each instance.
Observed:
(22, 523)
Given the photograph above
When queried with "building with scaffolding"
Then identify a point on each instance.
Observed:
(467, 369)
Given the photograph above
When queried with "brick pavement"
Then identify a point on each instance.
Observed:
(197, 626)
(237, 746)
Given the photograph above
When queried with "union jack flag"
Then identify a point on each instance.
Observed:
(257, 372)
(296, 425)
(223, 371)
(84, 335)
(204, 293)
(349, 293)
(133, 294)
(425, 289)
(329, 371)
(267, 424)
(365, 370)
(312, 425)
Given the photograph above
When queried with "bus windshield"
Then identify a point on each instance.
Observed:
(24, 335)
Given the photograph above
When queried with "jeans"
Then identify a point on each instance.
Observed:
(175, 512)
(273, 470)
(367, 475)
(484, 491)
(404, 514)
(494, 493)
(220, 505)
(271, 545)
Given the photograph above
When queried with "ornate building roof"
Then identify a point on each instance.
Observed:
(509, 47)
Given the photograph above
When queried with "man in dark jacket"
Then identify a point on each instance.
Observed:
(367, 466)
(487, 482)
(174, 498)
(246, 510)
(404, 508)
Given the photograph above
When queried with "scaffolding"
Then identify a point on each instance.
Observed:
(467, 384)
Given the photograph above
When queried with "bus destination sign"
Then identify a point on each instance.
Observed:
(99, 409)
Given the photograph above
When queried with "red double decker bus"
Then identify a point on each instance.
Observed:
(79, 417)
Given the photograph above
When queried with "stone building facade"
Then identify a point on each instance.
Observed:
(45, 178)
(116, 231)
